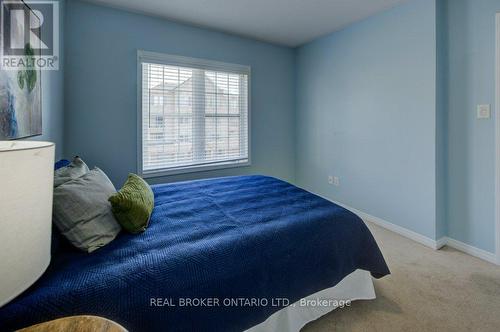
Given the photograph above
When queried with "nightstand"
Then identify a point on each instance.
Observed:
(77, 324)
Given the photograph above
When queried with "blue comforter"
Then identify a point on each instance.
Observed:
(239, 238)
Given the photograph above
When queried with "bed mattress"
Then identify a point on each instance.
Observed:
(251, 245)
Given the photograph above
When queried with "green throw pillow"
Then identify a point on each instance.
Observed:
(133, 204)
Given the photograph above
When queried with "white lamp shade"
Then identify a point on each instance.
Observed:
(26, 185)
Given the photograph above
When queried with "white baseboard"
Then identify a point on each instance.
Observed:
(473, 251)
(428, 242)
(441, 242)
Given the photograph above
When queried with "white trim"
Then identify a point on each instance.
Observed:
(183, 61)
(497, 141)
(441, 242)
(195, 168)
(473, 251)
(139, 115)
(177, 60)
(426, 241)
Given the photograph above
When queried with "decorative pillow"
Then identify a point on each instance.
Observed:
(74, 170)
(56, 236)
(133, 204)
(82, 212)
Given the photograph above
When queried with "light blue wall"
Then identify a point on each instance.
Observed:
(387, 104)
(53, 97)
(366, 112)
(101, 90)
(471, 81)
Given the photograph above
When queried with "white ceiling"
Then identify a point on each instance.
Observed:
(285, 22)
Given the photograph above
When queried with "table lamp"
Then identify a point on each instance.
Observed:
(26, 184)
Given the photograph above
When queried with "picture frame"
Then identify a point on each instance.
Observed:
(20, 89)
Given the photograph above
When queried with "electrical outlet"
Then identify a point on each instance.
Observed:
(333, 180)
(483, 111)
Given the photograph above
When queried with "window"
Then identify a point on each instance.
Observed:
(193, 114)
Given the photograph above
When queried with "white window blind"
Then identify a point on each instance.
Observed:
(194, 114)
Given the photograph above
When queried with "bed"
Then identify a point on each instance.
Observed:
(252, 245)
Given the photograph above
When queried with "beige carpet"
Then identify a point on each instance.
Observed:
(428, 290)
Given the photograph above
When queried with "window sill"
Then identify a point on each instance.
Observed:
(192, 169)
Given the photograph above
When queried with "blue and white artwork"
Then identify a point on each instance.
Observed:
(20, 93)
(20, 104)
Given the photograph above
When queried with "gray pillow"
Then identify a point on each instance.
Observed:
(83, 213)
(74, 170)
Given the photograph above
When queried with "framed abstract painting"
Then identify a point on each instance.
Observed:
(20, 89)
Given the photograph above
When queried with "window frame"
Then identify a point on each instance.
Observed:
(177, 60)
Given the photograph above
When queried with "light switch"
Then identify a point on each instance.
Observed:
(483, 111)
